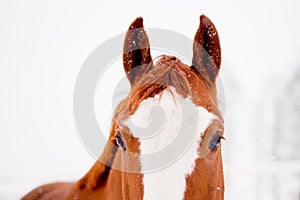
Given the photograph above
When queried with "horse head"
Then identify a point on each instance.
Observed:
(165, 135)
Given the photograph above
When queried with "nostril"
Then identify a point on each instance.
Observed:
(173, 58)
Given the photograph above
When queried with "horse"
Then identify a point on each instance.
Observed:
(176, 87)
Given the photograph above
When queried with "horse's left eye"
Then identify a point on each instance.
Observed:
(120, 142)
(215, 141)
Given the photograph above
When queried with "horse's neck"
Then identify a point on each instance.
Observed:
(103, 182)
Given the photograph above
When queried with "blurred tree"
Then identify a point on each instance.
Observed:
(286, 138)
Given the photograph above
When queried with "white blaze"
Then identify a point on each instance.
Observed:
(156, 123)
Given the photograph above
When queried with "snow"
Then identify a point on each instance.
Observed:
(44, 43)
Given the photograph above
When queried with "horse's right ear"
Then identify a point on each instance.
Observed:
(207, 50)
(136, 52)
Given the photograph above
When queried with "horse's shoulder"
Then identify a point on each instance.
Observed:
(49, 191)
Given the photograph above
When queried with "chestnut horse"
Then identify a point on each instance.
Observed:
(197, 173)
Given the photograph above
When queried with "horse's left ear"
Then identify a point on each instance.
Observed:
(136, 52)
(207, 50)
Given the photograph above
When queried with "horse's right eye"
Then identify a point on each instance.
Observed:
(120, 142)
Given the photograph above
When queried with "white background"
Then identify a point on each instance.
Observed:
(44, 43)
